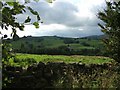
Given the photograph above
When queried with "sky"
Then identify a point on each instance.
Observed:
(65, 18)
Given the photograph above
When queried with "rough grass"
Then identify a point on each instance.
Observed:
(66, 59)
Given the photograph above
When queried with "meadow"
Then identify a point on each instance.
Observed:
(29, 59)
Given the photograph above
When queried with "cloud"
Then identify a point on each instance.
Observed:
(72, 18)
(60, 30)
(60, 12)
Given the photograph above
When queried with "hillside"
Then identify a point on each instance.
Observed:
(91, 45)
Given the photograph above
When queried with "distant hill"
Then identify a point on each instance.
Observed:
(59, 45)
(94, 37)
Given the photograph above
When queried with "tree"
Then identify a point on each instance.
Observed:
(111, 28)
(8, 11)
(15, 37)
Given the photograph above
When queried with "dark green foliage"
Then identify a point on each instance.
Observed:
(111, 27)
(70, 41)
(6, 51)
(61, 75)
(36, 24)
(9, 10)
(27, 20)
(85, 44)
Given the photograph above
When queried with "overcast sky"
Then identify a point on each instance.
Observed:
(67, 18)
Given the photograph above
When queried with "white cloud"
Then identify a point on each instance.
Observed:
(66, 18)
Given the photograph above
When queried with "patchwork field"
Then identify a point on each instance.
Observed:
(53, 45)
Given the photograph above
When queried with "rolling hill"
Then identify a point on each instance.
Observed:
(92, 45)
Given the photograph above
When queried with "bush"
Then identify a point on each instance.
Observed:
(61, 75)
(111, 28)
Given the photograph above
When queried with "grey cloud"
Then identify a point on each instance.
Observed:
(71, 32)
(94, 30)
(60, 13)
(64, 13)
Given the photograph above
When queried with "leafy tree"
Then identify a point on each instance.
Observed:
(111, 28)
(8, 11)
(15, 37)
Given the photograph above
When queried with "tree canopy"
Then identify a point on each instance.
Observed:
(111, 28)
(8, 11)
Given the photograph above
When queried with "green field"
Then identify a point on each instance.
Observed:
(27, 59)
(53, 45)
(54, 42)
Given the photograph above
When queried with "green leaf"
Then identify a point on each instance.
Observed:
(27, 1)
(28, 19)
(38, 17)
(36, 24)
(10, 3)
(104, 30)
(6, 27)
(21, 27)
(101, 26)
(2, 26)
(5, 36)
(32, 11)
(50, 1)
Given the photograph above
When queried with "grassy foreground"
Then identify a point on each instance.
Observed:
(94, 72)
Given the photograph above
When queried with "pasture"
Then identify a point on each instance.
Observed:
(28, 59)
